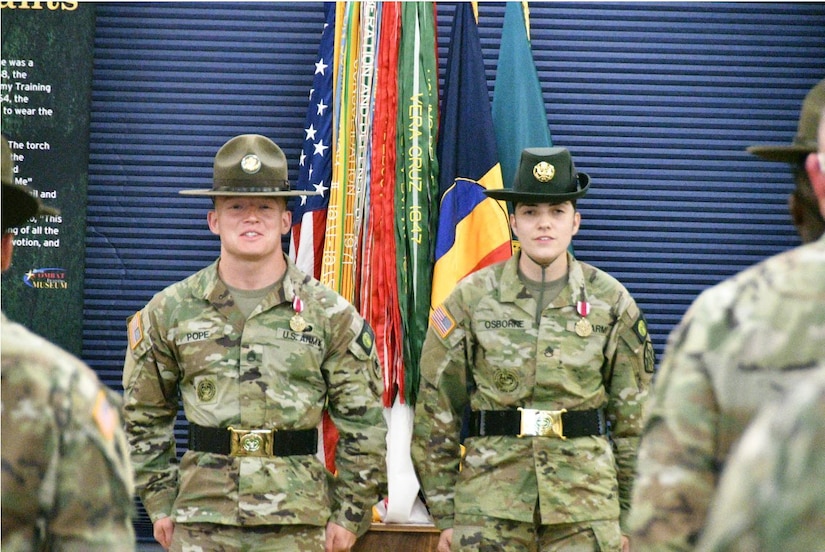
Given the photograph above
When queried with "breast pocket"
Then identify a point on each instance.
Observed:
(291, 371)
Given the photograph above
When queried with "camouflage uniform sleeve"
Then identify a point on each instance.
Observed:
(442, 398)
(66, 478)
(150, 376)
(95, 486)
(770, 496)
(355, 389)
(628, 385)
(677, 472)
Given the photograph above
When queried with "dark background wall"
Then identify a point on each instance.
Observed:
(656, 101)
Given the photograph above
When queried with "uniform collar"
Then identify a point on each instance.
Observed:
(512, 289)
(210, 287)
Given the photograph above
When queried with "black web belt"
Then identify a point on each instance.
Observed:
(526, 422)
(252, 442)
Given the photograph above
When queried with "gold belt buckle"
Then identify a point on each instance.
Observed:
(250, 442)
(541, 423)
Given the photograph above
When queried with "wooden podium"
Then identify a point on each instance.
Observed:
(398, 537)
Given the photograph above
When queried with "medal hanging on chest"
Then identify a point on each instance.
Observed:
(297, 322)
(583, 326)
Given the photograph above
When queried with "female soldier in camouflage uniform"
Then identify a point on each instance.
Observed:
(553, 358)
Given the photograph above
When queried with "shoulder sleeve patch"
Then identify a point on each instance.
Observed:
(366, 339)
(640, 328)
(135, 330)
(442, 321)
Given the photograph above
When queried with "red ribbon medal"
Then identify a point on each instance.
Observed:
(583, 326)
(297, 322)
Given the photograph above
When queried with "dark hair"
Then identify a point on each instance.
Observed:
(571, 201)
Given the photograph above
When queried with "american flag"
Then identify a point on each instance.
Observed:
(315, 165)
(315, 171)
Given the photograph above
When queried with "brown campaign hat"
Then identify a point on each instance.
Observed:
(805, 140)
(250, 165)
(544, 175)
(19, 202)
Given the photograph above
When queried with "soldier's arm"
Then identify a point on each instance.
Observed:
(676, 472)
(442, 398)
(354, 392)
(93, 503)
(30, 451)
(150, 407)
(628, 386)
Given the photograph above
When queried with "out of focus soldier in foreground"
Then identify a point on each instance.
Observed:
(553, 357)
(66, 478)
(256, 350)
(741, 345)
(772, 492)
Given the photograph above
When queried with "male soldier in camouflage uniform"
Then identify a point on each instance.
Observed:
(739, 346)
(554, 360)
(256, 350)
(772, 492)
(66, 478)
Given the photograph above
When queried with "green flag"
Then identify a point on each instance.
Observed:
(417, 180)
(519, 116)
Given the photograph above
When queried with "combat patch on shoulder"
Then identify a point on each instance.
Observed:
(135, 330)
(366, 339)
(442, 321)
(640, 328)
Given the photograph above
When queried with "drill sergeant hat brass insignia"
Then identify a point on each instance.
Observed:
(544, 171)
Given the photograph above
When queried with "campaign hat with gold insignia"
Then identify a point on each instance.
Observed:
(805, 140)
(19, 203)
(544, 175)
(250, 165)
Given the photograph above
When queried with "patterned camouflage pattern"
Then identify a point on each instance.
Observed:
(192, 342)
(772, 492)
(480, 534)
(66, 479)
(208, 537)
(739, 346)
(495, 357)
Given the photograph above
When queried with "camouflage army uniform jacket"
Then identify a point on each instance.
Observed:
(66, 478)
(772, 492)
(494, 356)
(739, 346)
(191, 341)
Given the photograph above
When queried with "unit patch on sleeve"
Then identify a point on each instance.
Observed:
(365, 339)
(640, 328)
(442, 321)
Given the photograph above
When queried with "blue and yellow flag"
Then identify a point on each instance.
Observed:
(473, 230)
